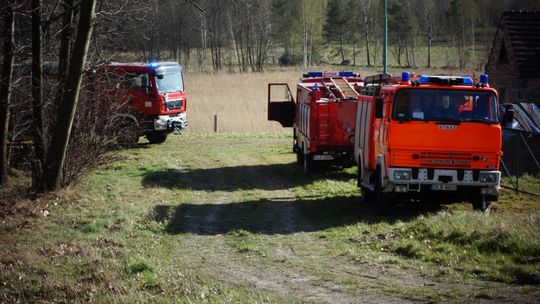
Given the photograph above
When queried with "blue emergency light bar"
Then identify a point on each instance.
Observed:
(450, 80)
(331, 74)
(313, 74)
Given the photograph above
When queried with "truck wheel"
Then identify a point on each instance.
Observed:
(367, 194)
(308, 164)
(480, 203)
(380, 198)
(126, 134)
(299, 158)
(156, 138)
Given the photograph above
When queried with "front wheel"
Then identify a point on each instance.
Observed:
(380, 198)
(480, 203)
(156, 138)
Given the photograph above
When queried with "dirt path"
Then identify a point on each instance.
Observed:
(309, 275)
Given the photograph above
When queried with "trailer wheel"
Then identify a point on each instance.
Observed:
(156, 138)
(480, 203)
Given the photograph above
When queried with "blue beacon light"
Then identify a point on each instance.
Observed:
(484, 79)
(405, 76)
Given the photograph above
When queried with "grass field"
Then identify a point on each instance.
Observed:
(231, 218)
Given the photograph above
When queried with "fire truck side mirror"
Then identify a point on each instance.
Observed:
(378, 108)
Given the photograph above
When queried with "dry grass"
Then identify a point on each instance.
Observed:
(239, 99)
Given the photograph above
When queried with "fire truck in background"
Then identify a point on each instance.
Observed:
(322, 117)
(435, 134)
(152, 95)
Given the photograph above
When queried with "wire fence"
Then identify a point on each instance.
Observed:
(521, 156)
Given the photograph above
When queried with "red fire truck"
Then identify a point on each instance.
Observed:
(435, 134)
(153, 96)
(322, 117)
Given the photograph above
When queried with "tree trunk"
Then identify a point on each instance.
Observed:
(429, 48)
(5, 87)
(52, 175)
(65, 50)
(354, 53)
(367, 38)
(38, 124)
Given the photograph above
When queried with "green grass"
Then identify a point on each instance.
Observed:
(231, 218)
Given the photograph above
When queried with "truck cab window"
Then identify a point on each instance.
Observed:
(444, 105)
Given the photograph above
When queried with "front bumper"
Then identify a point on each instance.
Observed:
(417, 179)
(170, 122)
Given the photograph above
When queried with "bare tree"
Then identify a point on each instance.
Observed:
(52, 174)
(38, 125)
(5, 86)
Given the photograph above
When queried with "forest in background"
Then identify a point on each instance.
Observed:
(251, 35)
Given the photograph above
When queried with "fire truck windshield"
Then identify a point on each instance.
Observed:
(169, 80)
(445, 105)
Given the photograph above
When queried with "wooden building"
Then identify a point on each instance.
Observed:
(514, 62)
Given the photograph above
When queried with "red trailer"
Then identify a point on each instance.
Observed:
(323, 117)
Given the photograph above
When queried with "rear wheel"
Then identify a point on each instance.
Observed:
(156, 138)
(308, 164)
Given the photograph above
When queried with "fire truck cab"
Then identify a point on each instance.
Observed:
(431, 135)
(153, 94)
(322, 117)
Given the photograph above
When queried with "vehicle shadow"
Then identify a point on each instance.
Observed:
(280, 216)
(265, 177)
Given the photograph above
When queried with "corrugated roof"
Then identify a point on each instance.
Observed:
(526, 117)
(523, 29)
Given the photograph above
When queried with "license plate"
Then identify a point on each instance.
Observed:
(322, 157)
(443, 187)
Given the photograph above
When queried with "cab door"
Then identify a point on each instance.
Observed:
(281, 104)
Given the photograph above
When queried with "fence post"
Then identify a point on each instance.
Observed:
(215, 123)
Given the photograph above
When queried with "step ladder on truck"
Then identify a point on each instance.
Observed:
(322, 117)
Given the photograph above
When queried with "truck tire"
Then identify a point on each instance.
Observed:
(479, 203)
(126, 133)
(156, 138)
(308, 164)
(367, 194)
(379, 197)
(299, 158)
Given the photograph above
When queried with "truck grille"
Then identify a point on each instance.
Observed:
(434, 158)
(173, 104)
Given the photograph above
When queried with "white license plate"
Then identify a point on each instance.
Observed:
(322, 157)
(444, 187)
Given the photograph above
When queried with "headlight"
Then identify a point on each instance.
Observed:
(160, 124)
(402, 175)
(488, 177)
